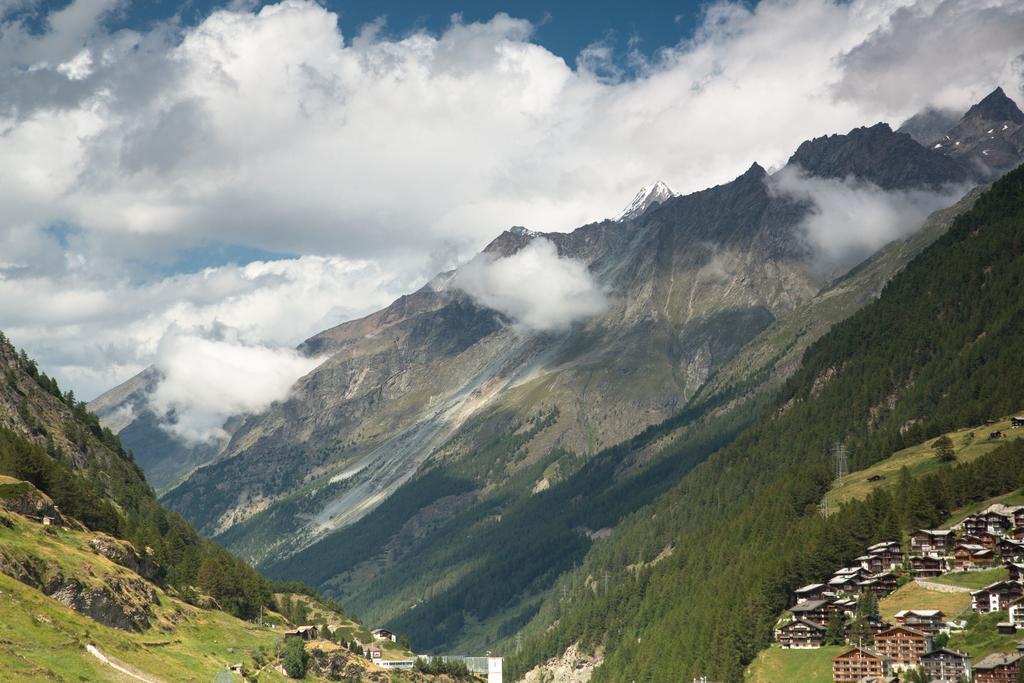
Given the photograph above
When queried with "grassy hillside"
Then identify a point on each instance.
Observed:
(938, 350)
(42, 638)
(776, 665)
(968, 443)
(915, 596)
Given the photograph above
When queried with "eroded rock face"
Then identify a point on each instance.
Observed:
(124, 554)
(574, 666)
(122, 602)
(33, 504)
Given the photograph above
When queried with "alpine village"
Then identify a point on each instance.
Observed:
(769, 430)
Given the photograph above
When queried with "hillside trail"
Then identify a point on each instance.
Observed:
(98, 654)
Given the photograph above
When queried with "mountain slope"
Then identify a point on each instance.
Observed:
(504, 440)
(50, 440)
(691, 281)
(681, 276)
(937, 350)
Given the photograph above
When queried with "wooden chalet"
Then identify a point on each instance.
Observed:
(373, 652)
(1010, 549)
(946, 666)
(998, 522)
(879, 585)
(928, 621)
(903, 645)
(859, 663)
(924, 566)
(997, 668)
(384, 634)
(800, 634)
(931, 542)
(880, 562)
(1016, 570)
(996, 596)
(847, 579)
(989, 539)
(970, 556)
(974, 524)
(892, 546)
(817, 611)
(1016, 422)
(884, 556)
(812, 591)
(304, 632)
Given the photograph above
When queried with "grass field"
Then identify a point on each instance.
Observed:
(778, 665)
(969, 443)
(915, 596)
(973, 580)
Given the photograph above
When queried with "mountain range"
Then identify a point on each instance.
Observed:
(441, 440)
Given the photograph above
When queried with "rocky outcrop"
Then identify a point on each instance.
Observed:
(124, 554)
(26, 500)
(341, 665)
(119, 601)
(574, 666)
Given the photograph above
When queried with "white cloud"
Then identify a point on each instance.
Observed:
(536, 287)
(940, 52)
(94, 329)
(206, 380)
(850, 219)
(274, 128)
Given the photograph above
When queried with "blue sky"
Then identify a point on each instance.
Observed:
(563, 27)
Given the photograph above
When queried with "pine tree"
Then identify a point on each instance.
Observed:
(835, 634)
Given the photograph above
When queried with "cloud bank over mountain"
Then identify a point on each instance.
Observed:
(283, 129)
(207, 379)
(850, 219)
(535, 287)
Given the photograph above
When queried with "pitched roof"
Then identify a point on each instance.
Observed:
(996, 660)
(920, 612)
(870, 653)
(997, 584)
(944, 651)
(809, 587)
(905, 629)
(809, 606)
(805, 622)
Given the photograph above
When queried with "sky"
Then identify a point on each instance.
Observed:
(210, 180)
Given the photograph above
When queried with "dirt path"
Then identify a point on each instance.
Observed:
(95, 652)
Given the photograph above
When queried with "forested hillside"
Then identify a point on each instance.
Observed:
(49, 438)
(693, 584)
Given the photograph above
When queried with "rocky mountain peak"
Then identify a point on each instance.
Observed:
(648, 196)
(510, 241)
(996, 106)
(891, 160)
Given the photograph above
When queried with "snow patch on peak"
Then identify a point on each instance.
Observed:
(648, 196)
(520, 231)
